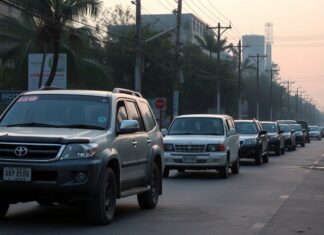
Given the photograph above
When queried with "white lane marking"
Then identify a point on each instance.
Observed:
(316, 162)
(307, 171)
(284, 196)
(258, 225)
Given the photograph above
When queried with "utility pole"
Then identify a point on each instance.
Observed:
(220, 31)
(138, 63)
(289, 83)
(239, 51)
(178, 71)
(258, 58)
(272, 71)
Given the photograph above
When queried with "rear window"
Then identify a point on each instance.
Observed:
(270, 127)
(59, 111)
(246, 128)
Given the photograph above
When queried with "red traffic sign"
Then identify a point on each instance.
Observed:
(160, 103)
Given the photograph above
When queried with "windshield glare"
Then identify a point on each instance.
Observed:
(197, 126)
(270, 127)
(246, 128)
(59, 111)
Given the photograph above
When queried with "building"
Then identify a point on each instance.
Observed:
(255, 45)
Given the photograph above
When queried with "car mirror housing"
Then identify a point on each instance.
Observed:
(232, 131)
(263, 132)
(128, 126)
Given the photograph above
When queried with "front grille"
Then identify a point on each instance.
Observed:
(192, 148)
(37, 152)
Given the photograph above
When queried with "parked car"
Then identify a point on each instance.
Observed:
(322, 131)
(275, 136)
(304, 125)
(201, 142)
(299, 133)
(314, 132)
(286, 121)
(289, 135)
(253, 141)
(80, 147)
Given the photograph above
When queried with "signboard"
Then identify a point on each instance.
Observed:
(158, 106)
(34, 68)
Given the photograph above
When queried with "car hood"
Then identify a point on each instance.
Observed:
(248, 136)
(193, 139)
(48, 135)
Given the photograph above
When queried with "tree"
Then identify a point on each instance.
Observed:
(54, 17)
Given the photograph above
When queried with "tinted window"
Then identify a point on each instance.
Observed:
(121, 114)
(296, 127)
(133, 114)
(246, 128)
(270, 127)
(285, 128)
(59, 111)
(197, 126)
(313, 128)
(148, 118)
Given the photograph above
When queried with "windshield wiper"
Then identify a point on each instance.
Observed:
(82, 126)
(34, 124)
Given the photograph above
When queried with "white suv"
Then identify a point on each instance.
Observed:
(202, 142)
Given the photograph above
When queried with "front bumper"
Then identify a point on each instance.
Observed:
(54, 181)
(248, 151)
(177, 160)
(274, 145)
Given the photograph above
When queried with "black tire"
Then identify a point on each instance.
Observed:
(166, 172)
(257, 159)
(224, 170)
(149, 199)
(278, 150)
(4, 207)
(101, 209)
(236, 167)
(265, 158)
(303, 145)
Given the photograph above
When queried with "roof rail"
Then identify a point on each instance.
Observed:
(126, 91)
(47, 88)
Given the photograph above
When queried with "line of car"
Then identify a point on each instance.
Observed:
(204, 142)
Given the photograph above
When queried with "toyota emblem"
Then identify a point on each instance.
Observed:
(21, 151)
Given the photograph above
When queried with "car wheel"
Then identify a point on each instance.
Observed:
(303, 144)
(149, 199)
(4, 207)
(101, 209)
(257, 158)
(224, 170)
(278, 150)
(265, 158)
(166, 173)
(236, 167)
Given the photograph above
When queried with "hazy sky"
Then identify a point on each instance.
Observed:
(298, 32)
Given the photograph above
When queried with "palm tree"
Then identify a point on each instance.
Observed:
(54, 17)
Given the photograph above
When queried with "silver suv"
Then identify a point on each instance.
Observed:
(80, 147)
(202, 142)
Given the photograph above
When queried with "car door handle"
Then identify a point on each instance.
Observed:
(149, 141)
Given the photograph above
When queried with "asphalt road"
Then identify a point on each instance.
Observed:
(285, 196)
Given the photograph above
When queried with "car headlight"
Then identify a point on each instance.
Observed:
(168, 147)
(215, 148)
(79, 151)
(250, 141)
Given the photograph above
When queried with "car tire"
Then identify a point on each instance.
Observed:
(149, 199)
(283, 150)
(265, 158)
(278, 150)
(4, 207)
(236, 167)
(303, 145)
(258, 158)
(101, 209)
(224, 170)
(166, 172)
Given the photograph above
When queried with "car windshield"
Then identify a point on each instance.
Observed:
(313, 128)
(246, 128)
(285, 128)
(296, 127)
(74, 111)
(270, 127)
(197, 126)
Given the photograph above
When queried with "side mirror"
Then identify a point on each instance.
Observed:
(164, 131)
(293, 131)
(128, 126)
(232, 131)
(280, 132)
(263, 132)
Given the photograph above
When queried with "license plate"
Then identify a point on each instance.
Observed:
(189, 159)
(17, 174)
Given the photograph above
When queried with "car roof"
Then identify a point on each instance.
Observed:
(204, 116)
(245, 120)
(268, 122)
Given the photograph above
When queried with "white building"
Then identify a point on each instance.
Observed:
(255, 45)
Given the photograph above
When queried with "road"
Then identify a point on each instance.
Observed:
(285, 196)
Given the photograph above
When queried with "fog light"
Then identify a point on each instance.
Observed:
(80, 177)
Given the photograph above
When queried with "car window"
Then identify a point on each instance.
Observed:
(148, 117)
(197, 126)
(285, 128)
(270, 127)
(121, 114)
(133, 114)
(246, 127)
